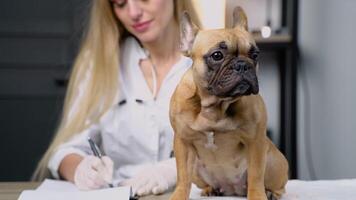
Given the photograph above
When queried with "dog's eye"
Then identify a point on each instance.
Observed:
(254, 53)
(217, 56)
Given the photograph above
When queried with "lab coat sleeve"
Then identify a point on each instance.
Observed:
(78, 144)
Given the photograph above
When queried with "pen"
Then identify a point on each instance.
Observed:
(96, 152)
(132, 197)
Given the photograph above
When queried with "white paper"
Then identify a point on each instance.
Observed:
(56, 185)
(63, 190)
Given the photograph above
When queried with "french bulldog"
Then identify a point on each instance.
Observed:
(219, 118)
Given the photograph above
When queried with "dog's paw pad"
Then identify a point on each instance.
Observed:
(271, 196)
(209, 191)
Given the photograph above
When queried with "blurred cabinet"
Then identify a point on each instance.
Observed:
(27, 125)
(286, 46)
(288, 73)
(38, 42)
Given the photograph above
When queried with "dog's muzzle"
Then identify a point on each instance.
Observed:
(237, 78)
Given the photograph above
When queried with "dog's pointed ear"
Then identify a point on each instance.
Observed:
(188, 31)
(240, 18)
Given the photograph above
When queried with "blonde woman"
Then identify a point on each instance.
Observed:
(119, 92)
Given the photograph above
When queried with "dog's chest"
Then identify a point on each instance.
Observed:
(224, 164)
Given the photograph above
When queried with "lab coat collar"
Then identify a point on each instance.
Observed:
(129, 73)
(146, 95)
(134, 84)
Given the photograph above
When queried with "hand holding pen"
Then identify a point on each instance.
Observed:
(98, 154)
(94, 172)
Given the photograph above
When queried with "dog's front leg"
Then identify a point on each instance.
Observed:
(257, 158)
(185, 158)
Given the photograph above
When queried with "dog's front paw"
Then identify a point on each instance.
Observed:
(175, 197)
(255, 195)
(179, 195)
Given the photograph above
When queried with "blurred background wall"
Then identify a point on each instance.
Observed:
(38, 42)
(327, 89)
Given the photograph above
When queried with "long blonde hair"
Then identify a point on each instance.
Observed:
(99, 54)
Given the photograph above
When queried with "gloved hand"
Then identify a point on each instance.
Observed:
(154, 179)
(93, 173)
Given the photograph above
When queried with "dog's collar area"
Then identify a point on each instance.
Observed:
(210, 141)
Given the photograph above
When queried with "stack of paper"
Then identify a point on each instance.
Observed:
(59, 190)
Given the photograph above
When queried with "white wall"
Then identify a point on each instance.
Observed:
(211, 13)
(256, 12)
(328, 42)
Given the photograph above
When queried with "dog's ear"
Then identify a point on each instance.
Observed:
(240, 18)
(188, 31)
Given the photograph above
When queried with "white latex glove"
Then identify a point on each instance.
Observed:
(154, 179)
(93, 173)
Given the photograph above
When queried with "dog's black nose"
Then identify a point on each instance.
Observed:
(241, 66)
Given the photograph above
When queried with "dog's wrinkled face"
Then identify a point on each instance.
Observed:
(229, 66)
(225, 60)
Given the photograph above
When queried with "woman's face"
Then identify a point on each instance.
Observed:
(145, 19)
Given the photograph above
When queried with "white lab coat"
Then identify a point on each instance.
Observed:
(136, 131)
